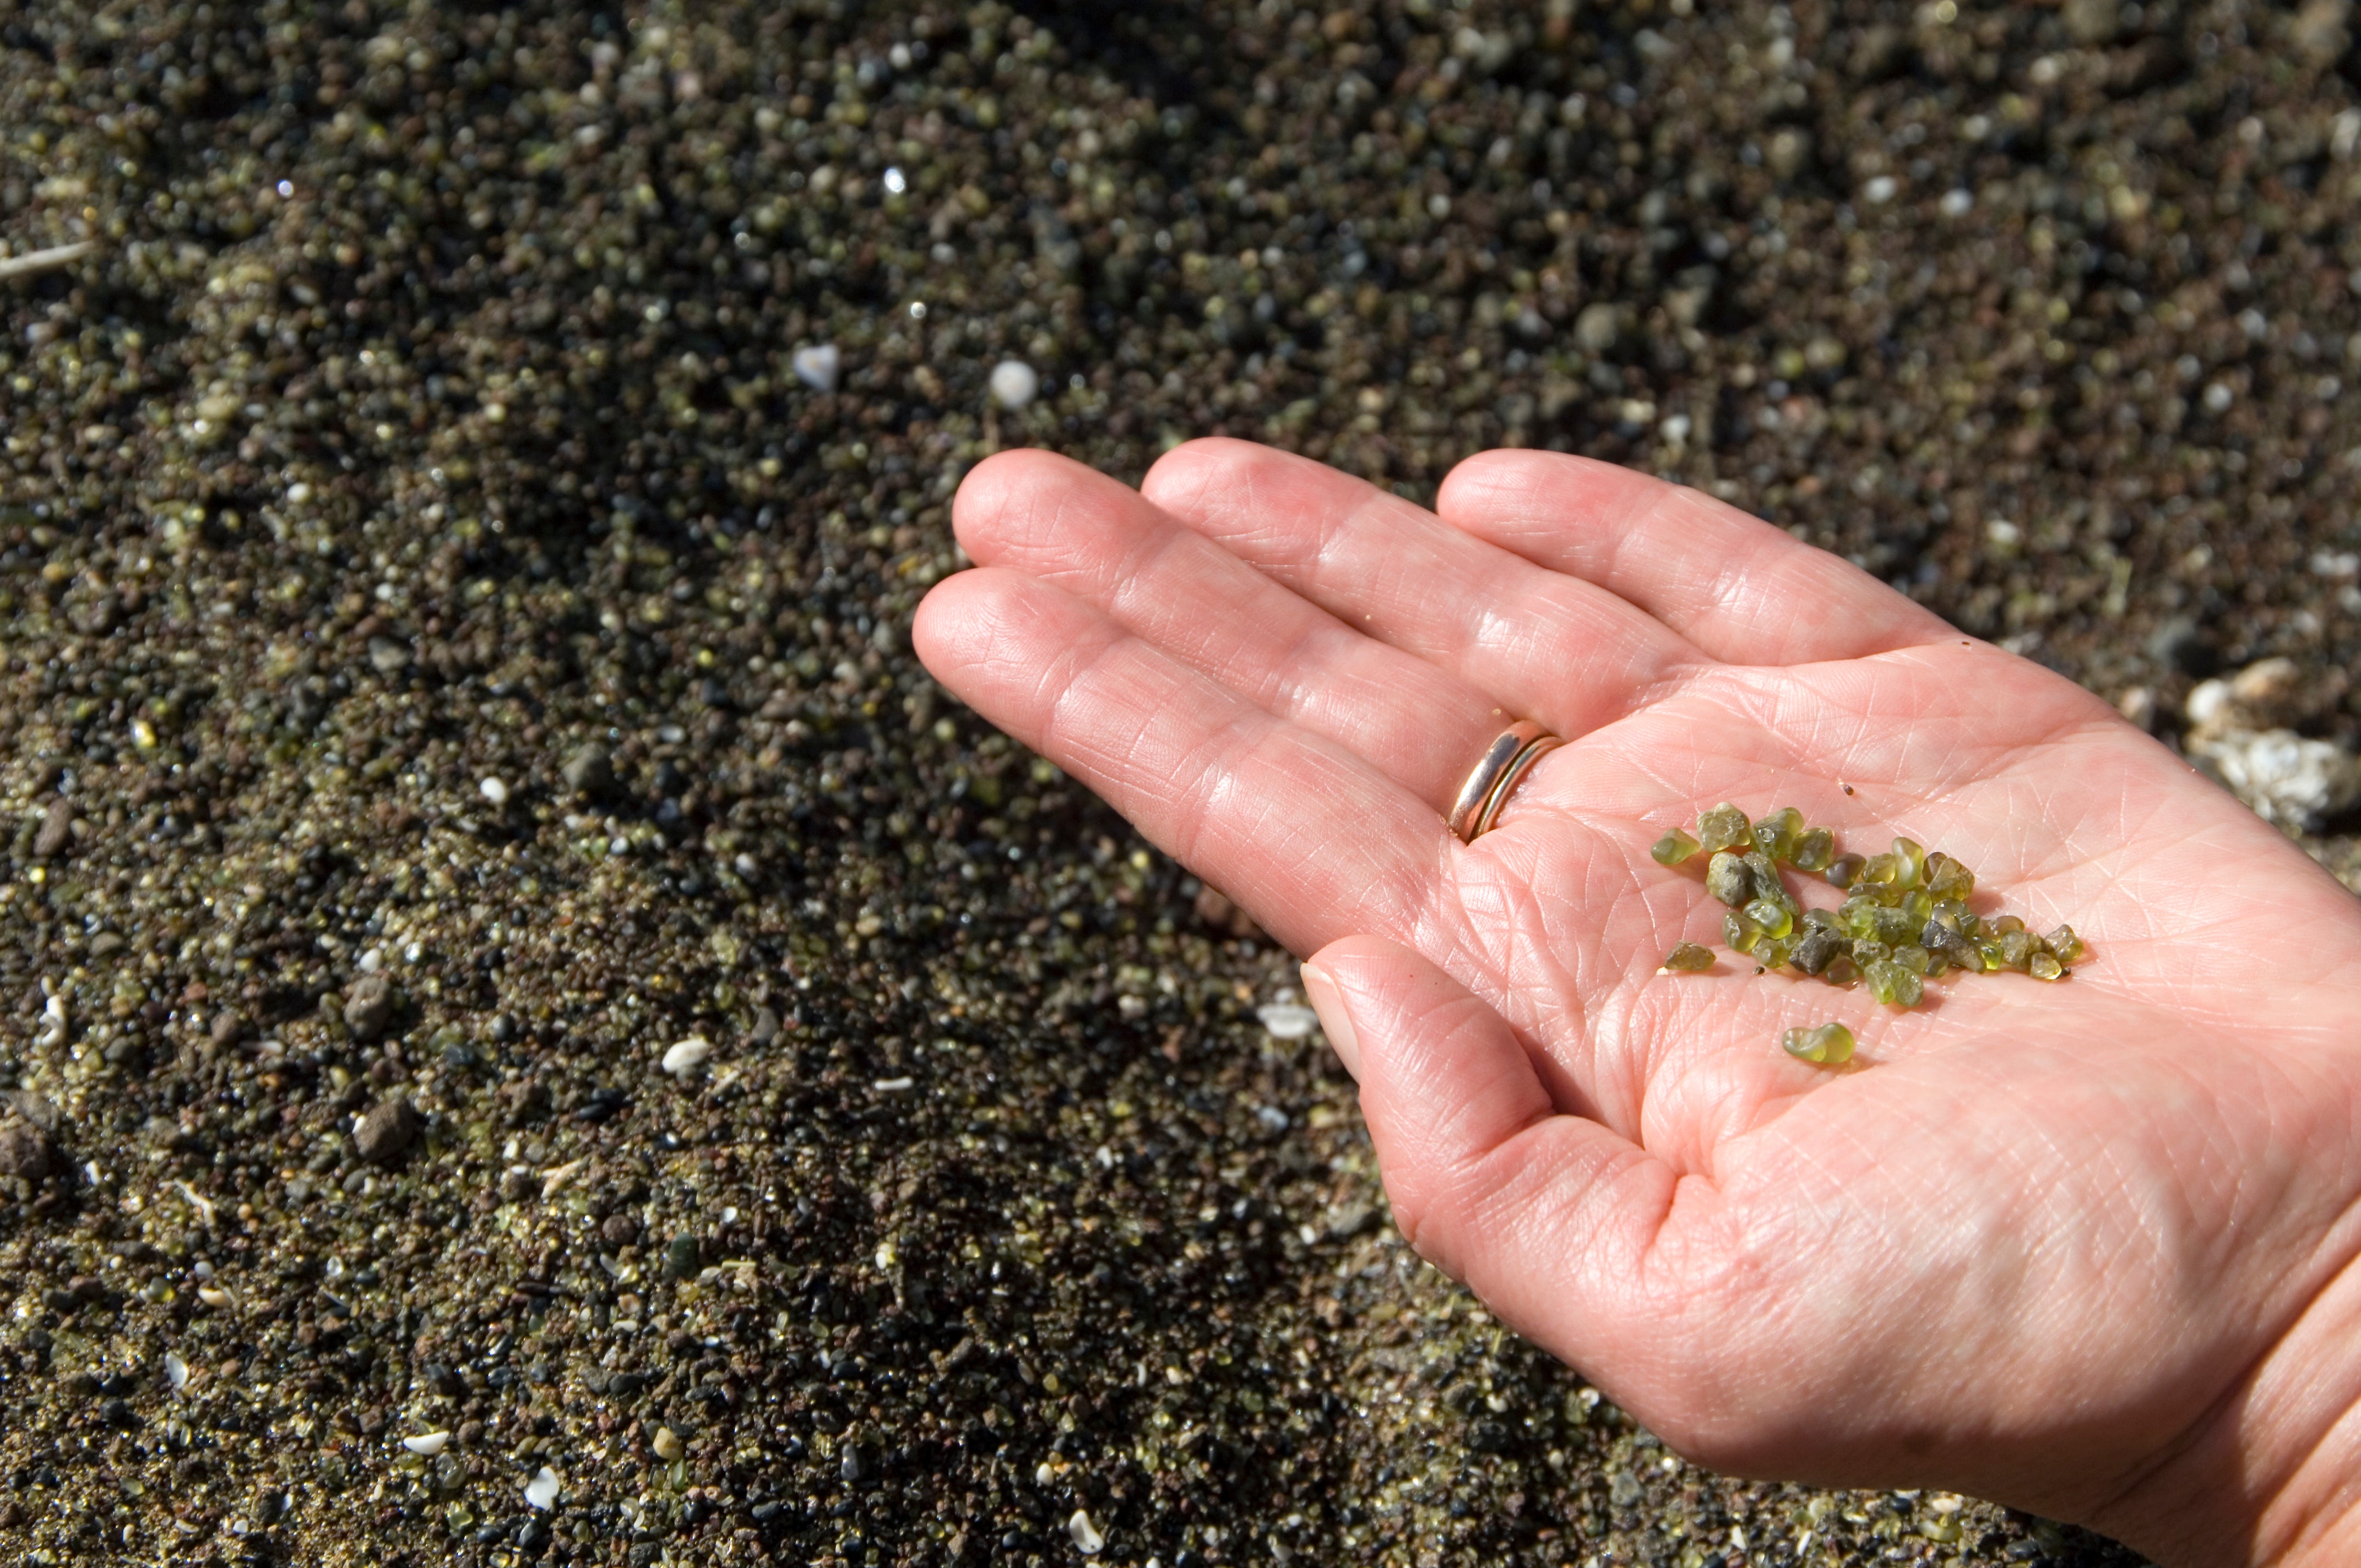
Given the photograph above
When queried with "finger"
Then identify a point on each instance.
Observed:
(1310, 839)
(1101, 541)
(1744, 592)
(1548, 1217)
(1546, 646)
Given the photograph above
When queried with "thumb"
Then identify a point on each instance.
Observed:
(1548, 1217)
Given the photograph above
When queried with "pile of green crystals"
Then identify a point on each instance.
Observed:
(1904, 920)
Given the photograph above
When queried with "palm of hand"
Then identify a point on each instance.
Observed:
(2024, 1246)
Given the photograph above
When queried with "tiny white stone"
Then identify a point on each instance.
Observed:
(1287, 1020)
(53, 1026)
(427, 1444)
(1086, 1534)
(686, 1056)
(894, 1085)
(176, 1371)
(1880, 191)
(1956, 204)
(895, 182)
(817, 367)
(1015, 384)
(543, 1489)
(493, 789)
(372, 961)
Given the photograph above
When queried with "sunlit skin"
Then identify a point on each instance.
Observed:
(2086, 1247)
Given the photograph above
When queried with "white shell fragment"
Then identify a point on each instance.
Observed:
(1287, 1020)
(817, 367)
(543, 1489)
(1015, 384)
(427, 1444)
(1086, 1534)
(686, 1056)
(176, 1371)
(34, 261)
(2239, 729)
(53, 1030)
(493, 789)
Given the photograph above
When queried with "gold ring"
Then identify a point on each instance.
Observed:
(1502, 766)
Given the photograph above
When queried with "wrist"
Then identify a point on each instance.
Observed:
(2270, 1476)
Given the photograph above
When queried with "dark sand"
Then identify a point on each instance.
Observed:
(426, 415)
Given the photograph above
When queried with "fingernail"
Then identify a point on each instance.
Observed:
(1320, 988)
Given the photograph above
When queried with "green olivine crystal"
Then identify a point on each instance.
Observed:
(2065, 946)
(1773, 952)
(1776, 834)
(1689, 959)
(1890, 983)
(2002, 924)
(1911, 859)
(1881, 870)
(1894, 926)
(1842, 970)
(1674, 847)
(1912, 957)
(1741, 934)
(2045, 966)
(1814, 851)
(1772, 918)
(1858, 916)
(1768, 882)
(1729, 879)
(1845, 870)
(1725, 827)
(1829, 1044)
(1946, 878)
(2016, 950)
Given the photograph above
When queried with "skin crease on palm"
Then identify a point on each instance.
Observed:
(2087, 1247)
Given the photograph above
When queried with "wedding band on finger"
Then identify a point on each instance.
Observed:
(1497, 772)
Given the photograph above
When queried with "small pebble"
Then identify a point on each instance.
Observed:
(24, 1149)
(683, 1258)
(817, 367)
(1287, 1020)
(368, 1006)
(387, 1131)
(56, 831)
(666, 1443)
(1015, 384)
(686, 1056)
(426, 1445)
(176, 1371)
(493, 789)
(543, 1489)
(590, 771)
(1689, 957)
(1085, 1534)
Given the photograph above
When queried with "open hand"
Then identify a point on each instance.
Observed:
(2086, 1247)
